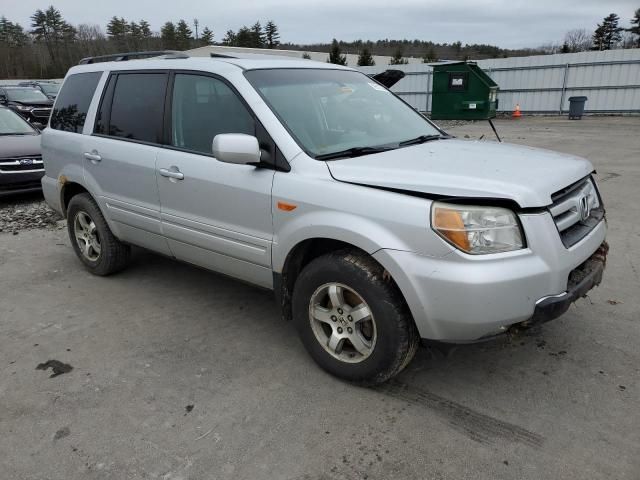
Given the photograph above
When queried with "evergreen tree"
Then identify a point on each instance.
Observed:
(258, 39)
(183, 35)
(306, 56)
(145, 29)
(365, 59)
(117, 29)
(168, 36)
(565, 48)
(230, 38)
(635, 28)
(50, 28)
(245, 38)
(207, 37)
(271, 34)
(430, 56)
(12, 34)
(398, 59)
(335, 54)
(608, 34)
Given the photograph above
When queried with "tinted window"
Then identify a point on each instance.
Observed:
(202, 108)
(138, 106)
(73, 102)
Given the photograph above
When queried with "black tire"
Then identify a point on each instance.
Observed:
(114, 255)
(397, 338)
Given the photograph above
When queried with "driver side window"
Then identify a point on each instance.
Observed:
(203, 107)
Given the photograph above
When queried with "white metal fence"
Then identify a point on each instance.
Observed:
(544, 83)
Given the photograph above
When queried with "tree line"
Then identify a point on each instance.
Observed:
(608, 35)
(51, 44)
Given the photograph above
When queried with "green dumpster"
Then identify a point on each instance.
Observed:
(462, 91)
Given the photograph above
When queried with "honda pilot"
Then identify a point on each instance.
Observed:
(374, 228)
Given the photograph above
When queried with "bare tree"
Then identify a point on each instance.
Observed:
(578, 40)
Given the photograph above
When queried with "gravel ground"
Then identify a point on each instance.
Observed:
(27, 212)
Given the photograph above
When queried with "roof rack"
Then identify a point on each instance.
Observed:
(122, 57)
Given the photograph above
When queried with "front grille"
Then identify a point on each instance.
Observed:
(27, 163)
(576, 210)
(41, 112)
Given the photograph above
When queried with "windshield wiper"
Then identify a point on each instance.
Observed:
(353, 152)
(421, 139)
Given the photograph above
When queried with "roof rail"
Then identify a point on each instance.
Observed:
(121, 57)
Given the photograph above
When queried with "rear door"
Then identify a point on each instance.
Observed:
(216, 215)
(120, 156)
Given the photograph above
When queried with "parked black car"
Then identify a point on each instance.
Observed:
(29, 102)
(48, 87)
(21, 166)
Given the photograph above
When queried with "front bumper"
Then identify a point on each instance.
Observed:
(18, 182)
(581, 280)
(462, 298)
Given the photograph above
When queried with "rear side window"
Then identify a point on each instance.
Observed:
(73, 102)
(137, 107)
(203, 107)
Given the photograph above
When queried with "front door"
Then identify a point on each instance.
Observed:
(214, 214)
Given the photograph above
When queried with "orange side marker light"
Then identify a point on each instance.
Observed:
(287, 207)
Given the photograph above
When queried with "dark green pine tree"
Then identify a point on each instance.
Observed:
(635, 28)
(608, 34)
(168, 36)
(272, 36)
(398, 59)
(230, 39)
(183, 35)
(207, 37)
(335, 54)
(258, 39)
(365, 59)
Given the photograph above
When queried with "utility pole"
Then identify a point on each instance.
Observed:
(195, 24)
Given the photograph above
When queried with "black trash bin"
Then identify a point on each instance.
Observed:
(576, 107)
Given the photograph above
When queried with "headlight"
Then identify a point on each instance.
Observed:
(24, 108)
(477, 230)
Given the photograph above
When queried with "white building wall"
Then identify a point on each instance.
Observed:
(544, 83)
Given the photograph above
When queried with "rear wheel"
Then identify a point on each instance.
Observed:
(352, 320)
(94, 243)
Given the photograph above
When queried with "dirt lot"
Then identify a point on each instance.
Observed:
(178, 373)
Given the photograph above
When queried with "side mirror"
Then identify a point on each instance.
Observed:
(236, 148)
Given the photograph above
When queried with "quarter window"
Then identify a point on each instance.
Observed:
(138, 106)
(203, 107)
(72, 104)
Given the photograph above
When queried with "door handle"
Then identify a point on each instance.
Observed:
(93, 156)
(172, 172)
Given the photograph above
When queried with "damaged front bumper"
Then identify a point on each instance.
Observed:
(582, 279)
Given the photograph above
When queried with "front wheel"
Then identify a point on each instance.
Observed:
(352, 320)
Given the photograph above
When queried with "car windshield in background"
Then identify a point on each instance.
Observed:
(12, 124)
(50, 88)
(333, 111)
(25, 95)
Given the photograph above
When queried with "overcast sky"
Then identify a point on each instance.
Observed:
(506, 23)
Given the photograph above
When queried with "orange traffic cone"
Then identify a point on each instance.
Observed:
(516, 112)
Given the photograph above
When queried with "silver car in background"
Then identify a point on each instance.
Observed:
(374, 228)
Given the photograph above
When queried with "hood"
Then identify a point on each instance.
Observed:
(19, 145)
(38, 103)
(458, 168)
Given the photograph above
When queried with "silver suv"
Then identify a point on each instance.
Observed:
(374, 228)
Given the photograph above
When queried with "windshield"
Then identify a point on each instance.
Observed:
(25, 95)
(329, 111)
(12, 124)
(50, 88)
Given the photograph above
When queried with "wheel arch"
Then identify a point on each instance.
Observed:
(301, 255)
(68, 191)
